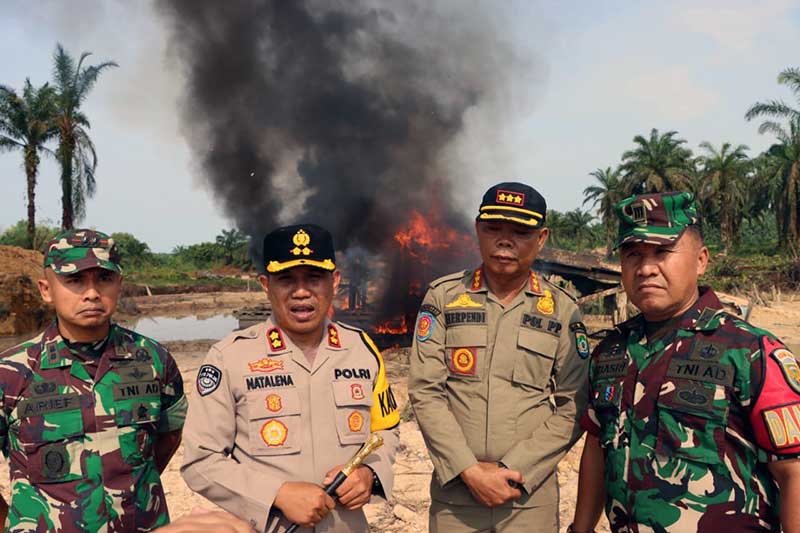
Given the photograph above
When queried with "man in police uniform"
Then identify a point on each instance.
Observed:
(498, 376)
(282, 405)
(694, 414)
(90, 412)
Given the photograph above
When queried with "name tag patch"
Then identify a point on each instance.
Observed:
(709, 372)
(540, 323)
(610, 368)
(48, 404)
(455, 318)
(263, 382)
(138, 389)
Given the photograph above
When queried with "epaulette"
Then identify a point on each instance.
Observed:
(349, 327)
(450, 277)
(570, 296)
(247, 333)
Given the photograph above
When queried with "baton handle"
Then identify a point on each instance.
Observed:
(330, 490)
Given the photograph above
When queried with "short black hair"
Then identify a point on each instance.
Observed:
(697, 231)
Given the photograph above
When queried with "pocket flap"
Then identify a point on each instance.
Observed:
(271, 403)
(470, 336)
(536, 341)
(352, 392)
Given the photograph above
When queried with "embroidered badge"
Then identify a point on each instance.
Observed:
(265, 365)
(301, 240)
(208, 379)
(510, 198)
(783, 425)
(463, 360)
(477, 279)
(581, 340)
(274, 402)
(425, 325)
(535, 285)
(355, 421)
(274, 433)
(275, 339)
(356, 391)
(463, 301)
(428, 308)
(546, 305)
(609, 393)
(333, 337)
(789, 367)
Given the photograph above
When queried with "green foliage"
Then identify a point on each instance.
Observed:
(575, 231)
(234, 243)
(17, 235)
(132, 250)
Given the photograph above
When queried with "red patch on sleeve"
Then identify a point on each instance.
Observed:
(775, 416)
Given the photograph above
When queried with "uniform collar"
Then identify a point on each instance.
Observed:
(477, 283)
(279, 343)
(57, 354)
(699, 317)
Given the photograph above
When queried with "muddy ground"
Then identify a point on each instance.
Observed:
(407, 511)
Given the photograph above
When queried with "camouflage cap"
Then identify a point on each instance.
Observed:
(655, 218)
(80, 249)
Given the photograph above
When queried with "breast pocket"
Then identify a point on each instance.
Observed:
(465, 352)
(353, 400)
(534, 359)
(692, 419)
(274, 421)
(137, 409)
(50, 433)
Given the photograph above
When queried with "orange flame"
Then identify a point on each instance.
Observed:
(423, 236)
(387, 328)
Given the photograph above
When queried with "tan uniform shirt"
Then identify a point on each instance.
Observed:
(263, 416)
(498, 383)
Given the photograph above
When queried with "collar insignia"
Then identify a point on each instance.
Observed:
(477, 279)
(333, 337)
(536, 287)
(276, 343)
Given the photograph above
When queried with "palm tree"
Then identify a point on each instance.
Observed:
(657, 164)
(577, 223)
(26, 124)
(608, 194)
(76, 153)
(232, 241)
(724, 186)
(784, 166)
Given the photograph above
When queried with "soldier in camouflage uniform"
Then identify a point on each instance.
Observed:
(694, 415)
(90, 412)
(498, 377)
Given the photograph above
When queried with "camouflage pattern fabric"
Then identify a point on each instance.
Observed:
(672, 414)
(81, 451)
(80, 249)
(655, 218)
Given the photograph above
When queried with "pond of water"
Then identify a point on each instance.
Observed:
(187, 328)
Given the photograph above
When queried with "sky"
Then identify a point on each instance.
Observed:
(592, 75)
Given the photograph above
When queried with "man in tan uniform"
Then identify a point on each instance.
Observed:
(498, 377)
(281, 406)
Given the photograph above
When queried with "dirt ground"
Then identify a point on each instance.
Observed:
(407, 512)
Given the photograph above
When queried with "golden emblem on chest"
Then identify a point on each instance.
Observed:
(274, 433)
(546, 305)
(463, 301)
(274, 403)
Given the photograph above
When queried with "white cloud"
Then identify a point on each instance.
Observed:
(671, 93)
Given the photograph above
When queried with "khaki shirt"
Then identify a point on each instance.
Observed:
(263, 416)
(498, 383)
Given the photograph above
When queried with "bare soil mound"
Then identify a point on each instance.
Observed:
(21, 308)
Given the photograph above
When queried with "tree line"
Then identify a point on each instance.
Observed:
(48, 120)
(735, 192)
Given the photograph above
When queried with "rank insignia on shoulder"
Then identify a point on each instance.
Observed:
(274, 433)
(208, 379)
(477, 279)
(463, 301)
(425, 325)
(462, 360)
(783, 425)
(275, 339)
(265, 365)
(546, 305)
(581, 340)
(333, 337)
(789, 367)
(536, 286)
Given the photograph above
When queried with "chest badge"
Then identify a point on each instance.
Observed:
(274, 433)
(265, 365)
(357, 391)
(274, 403)
(791, 371)
(463, 301)
(355, 421)
(463, 360)
(546, 305)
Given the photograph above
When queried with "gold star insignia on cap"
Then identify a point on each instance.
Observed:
(518, 199)
(301, 241)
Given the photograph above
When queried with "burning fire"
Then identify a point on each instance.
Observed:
(426, 235)
(387, 328)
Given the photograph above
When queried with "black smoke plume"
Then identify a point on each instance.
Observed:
(332, 112)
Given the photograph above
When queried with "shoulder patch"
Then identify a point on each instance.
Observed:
(783, 425)
(430, 309)
(426, 322)
(208, 379)
(789, 367)
(581, 340)
(450, 277)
